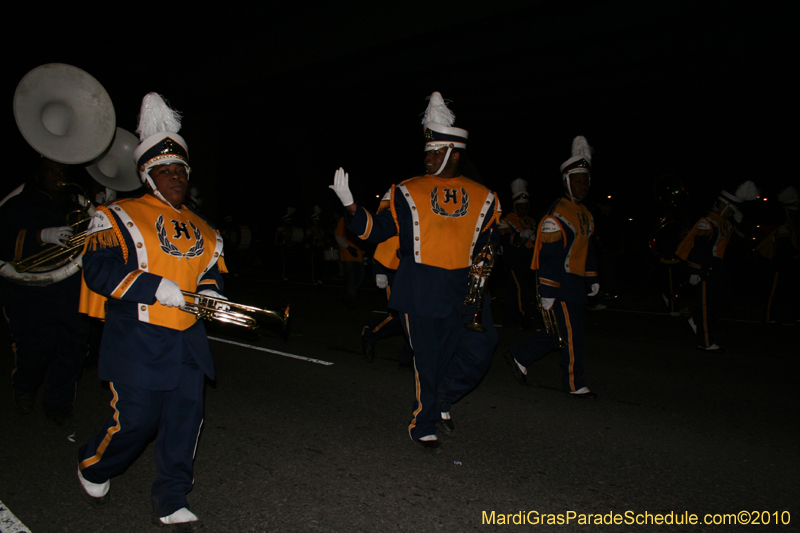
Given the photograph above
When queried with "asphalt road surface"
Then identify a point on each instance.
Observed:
(293, 445)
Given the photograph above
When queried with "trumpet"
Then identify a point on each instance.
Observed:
(478, 276)
(550, 321)
(209, 308)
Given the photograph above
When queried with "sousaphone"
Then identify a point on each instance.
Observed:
(67, 116)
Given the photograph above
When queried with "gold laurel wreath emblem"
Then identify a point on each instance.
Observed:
(439, 210)
(169, 248)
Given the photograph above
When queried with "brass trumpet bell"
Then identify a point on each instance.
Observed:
(209, 308)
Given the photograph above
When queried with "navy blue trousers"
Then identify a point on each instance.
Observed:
(449, 361)
(175, 416)
(385, 327)
(50, 340)
(570, 321)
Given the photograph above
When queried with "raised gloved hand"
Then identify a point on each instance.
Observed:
(381, 280)
(547, 303)
(214, 294)
(594, 290)
(526, 234)
(341, 186)
(694, 279)
(57, 235)
(169, 293)
(352, 251)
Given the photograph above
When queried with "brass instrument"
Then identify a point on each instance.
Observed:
(550, 320)
(53, 256)
(67, 116)
(478, 276)
(209, 308)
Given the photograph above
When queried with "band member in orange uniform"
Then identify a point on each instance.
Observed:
(565, 262)
(443, 220)
(518, 234)
(703, 249)
(140, 254)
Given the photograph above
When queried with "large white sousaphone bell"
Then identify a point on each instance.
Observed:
(64, 113)
(67, 116)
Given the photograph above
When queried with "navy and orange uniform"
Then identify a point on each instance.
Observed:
(781, 248)
(703, 250)
(346, 241)
(512, 225)
(314, 244)
(152, 355)
(517, 256)
(441, 224)
(566, 266)
(49, 336)
(385, 262)
(351, 258)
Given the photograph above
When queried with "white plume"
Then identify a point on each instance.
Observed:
(580, 146)
(437, 111)
(747, 191)
(156, 116)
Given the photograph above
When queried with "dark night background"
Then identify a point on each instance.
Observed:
(275, 99)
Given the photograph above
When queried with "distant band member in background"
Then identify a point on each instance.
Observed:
(781, 248)
(314, 247)
(517, 235)
(140, 254)
(384, 266)
(351, 257)
(703, 249)
(565, 263)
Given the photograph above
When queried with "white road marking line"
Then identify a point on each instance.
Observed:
(10, 523)
(293, 356)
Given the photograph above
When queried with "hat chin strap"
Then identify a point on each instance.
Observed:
(446, 159)
(149, 181)
(569, 181)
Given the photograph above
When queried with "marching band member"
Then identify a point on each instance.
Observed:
(703, 249)
(781, 248)
(566, 265)
(351, 257)
(140, 254)
(442, 219)
(50, 337)
(518, 234)
(285, 240)
(384, 266)
(314, 244)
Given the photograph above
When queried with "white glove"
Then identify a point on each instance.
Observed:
(341, 186)
(214, 294)
(547, 303)
(526, 234)
(57, 235)
(694, 279)
(738, 216)
(169, 293)
(595, 289)
(381, 280)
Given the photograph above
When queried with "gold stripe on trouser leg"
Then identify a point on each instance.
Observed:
(111, 431)
(571, 349)
(416, 379)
